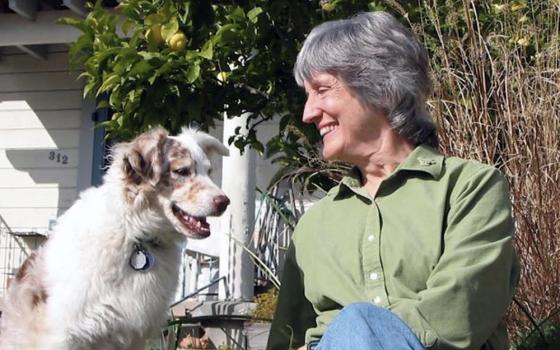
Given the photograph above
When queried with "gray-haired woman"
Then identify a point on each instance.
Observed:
(411, 250)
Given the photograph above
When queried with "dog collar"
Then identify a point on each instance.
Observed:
(141, 259)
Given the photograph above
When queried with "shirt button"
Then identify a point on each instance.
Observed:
(373, 276)
(370, 238)
(377, 300)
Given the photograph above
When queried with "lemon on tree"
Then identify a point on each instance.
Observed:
(153, 34)
(177, 41)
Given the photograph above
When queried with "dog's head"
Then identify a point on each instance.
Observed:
(171, 172)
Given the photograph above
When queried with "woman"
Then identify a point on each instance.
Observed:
(413, 249)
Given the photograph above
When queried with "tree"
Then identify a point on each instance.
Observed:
(175, 62)
(172, 62)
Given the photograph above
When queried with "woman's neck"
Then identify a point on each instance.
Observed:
(386, 158)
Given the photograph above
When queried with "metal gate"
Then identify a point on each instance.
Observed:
(12, 254)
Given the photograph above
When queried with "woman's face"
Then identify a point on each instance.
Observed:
(351, 130)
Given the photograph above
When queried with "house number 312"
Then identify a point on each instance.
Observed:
(58, 157)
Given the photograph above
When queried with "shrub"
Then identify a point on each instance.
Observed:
(266, 304)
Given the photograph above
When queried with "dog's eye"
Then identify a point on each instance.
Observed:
(182, 171)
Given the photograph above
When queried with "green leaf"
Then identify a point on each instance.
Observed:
(84, 75)
(169, 29)
(163, 70)
(104, 56)
(207, 50)
(193, 73)
(109, 83)
(119, 119)
(184, 16)
(154, 18)
(258, 146)
(74, 22)
(102, 104)
(254, 14)
(148, 55)
(226, 33)
(141, 68)
(237, 14)
(130, 11)
(127, 24)
(88, 88)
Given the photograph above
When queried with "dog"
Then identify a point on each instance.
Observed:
(105, 277)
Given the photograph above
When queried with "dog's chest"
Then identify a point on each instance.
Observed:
(151, 270)
(108, 289)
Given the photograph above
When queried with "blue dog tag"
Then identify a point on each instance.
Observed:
(141, 259)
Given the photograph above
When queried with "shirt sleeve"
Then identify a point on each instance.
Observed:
(472, 284)
(294, 313)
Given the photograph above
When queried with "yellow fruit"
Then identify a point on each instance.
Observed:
(222, 76)
(177, 41)
(153, 35)
(328, 6)
(156, 32)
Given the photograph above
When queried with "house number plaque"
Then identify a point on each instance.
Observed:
(58, 157)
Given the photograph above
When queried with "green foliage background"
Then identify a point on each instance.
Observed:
(238, 58)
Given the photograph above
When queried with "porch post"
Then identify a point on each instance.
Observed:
(238, 182)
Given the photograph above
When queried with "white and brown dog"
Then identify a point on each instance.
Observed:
(106, 276)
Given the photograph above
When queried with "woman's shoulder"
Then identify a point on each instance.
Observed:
(467, 168)
(467, 175)
(318, 204)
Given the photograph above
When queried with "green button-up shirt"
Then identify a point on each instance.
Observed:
(434, 246)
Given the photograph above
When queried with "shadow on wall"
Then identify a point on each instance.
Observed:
(40, 139)
(49, 170)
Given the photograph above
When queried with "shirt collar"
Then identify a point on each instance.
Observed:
(423, 159)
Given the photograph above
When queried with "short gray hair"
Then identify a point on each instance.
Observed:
(380, 59)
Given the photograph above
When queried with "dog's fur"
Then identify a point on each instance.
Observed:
(79, 290)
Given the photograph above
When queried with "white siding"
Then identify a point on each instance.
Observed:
(40, 120)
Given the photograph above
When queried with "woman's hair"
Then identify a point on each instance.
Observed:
(381, 60)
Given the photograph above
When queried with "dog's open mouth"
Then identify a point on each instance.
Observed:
(196, 225)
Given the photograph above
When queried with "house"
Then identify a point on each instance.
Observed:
(50, 149)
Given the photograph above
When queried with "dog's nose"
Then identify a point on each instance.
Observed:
(220, 203)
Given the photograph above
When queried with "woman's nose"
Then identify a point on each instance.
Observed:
(311, 110)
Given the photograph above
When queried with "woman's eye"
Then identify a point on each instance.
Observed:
(182, 171)
(322, 90)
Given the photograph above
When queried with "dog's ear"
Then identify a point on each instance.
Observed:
(210, 144)
(143, 157)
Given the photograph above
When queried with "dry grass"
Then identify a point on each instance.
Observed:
(497, 100)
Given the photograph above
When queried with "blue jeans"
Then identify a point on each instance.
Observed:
(363, 326)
